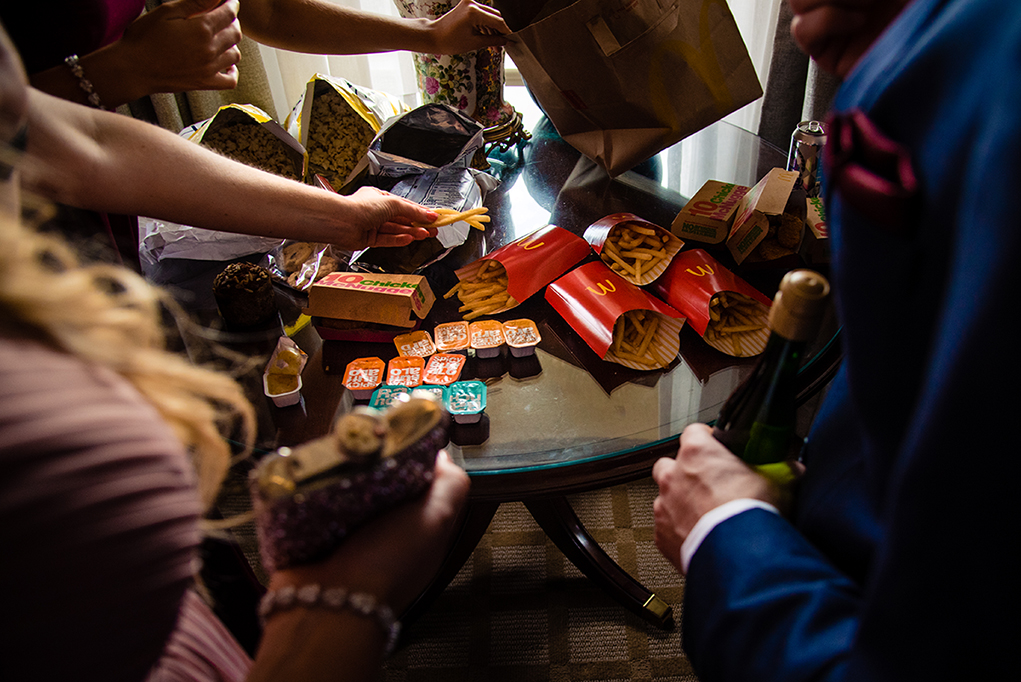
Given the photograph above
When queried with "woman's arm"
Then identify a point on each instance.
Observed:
(102, 161)
(320, 27)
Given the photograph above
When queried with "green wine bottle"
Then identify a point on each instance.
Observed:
(757, 423)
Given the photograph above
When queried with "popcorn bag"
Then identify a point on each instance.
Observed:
(767, 227)
(637, 250)
(336, 121)
(619, 321)
(508, 276)
(247, 134)
(730, 314)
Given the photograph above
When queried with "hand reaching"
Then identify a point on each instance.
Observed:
(378, 218)
(703, 476)
(469, 26)
(184, 45)
(836, 33)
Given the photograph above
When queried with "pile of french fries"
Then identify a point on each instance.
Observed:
(633, 336)
(476, 217)
(734, 317)
(631, 250)
(482, 289)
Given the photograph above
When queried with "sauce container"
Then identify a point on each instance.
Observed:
(466, 401)
(522, 336)
(385, 395)
(443, 369)
(281, 380)
(283, 389)
(363, 376)
(405, 370)
(417, 343)
(451, 337)
(486, 337)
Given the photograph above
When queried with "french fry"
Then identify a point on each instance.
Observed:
(633, 250)
(476, 217)
(733, 317)
(482, 290)
(634, 334)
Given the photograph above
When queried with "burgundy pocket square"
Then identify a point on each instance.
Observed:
(872, 173)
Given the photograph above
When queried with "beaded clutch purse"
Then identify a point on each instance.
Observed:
(309, 498)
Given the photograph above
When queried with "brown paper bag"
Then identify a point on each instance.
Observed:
(623, 79)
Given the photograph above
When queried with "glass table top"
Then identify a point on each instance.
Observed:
(563, 406)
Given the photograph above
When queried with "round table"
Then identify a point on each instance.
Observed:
(562, 421)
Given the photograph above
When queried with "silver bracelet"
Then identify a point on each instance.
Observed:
(83, 82)
(337, 599)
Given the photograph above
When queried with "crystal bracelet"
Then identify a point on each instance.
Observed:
(83, 82)
(334, 598)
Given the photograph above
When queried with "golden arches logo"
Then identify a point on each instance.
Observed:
(604, 289)
(701, 58)
(703, 270)
(528, 246)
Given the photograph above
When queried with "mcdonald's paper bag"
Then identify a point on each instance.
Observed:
(527, 265)
(595, 300)
(725, 310)
(623, 79)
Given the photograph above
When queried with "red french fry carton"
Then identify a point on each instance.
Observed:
(697, 285)
(637, 250)
(594, 301)
(530, 262)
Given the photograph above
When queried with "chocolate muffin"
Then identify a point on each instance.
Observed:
(244, 294)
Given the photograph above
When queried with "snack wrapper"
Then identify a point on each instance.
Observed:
(335, 121)
(531, 262)
(691, 282)
(429, 136)
(591, 298)
(650, 251)
(248, 134)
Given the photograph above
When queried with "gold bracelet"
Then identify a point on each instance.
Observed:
(336, 599)
(83, 82)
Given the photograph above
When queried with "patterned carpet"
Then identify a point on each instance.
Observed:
(519, 611)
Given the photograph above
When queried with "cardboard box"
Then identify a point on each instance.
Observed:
(396, 300)
(767, 198)
(816, 245)
(709, 215)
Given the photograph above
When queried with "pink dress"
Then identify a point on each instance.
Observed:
(98, 532)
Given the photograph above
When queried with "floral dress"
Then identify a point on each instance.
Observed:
(470, 82)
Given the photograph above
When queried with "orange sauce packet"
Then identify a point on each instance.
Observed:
(405, 370)
(415, 343)
(443, 369)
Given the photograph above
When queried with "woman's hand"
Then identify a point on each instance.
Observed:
(468, 27)
(378, 218)
(396, 556)
(184, 45)
(704, 475)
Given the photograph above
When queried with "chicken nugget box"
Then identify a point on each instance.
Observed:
(765, 202)
(709, 215)
(386, 299)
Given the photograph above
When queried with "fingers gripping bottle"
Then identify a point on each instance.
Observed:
(757, 423)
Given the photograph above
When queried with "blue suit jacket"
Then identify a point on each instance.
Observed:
(899, 563)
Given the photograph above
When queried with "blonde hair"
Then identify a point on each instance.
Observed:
(109, 316)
